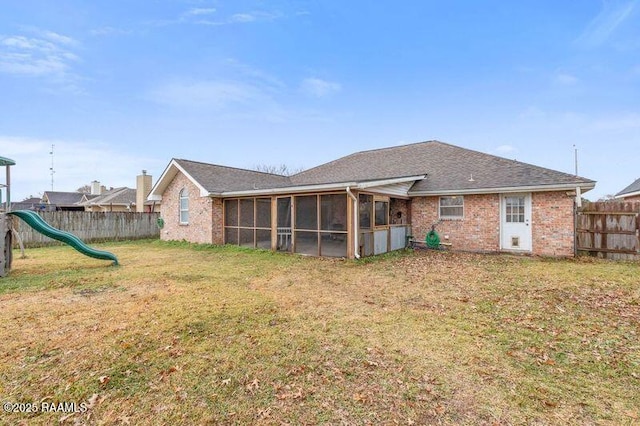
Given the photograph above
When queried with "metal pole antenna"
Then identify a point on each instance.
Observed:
(51, 168)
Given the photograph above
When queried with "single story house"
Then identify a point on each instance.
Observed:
(31, 203)
(59, 201)
(369, 202)
(631, 192)
(121, 199)
(113, 200)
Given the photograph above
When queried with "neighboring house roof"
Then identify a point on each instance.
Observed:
(87, 197)
(118, 196)
(420, 169)
(32, 203)
(630, 191)
(62, 198)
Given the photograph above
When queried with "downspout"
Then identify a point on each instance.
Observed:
(355, 223)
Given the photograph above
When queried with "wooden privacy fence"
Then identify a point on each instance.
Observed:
(609, 229)
(91, 226)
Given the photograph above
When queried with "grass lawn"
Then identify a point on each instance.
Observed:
(184, 334)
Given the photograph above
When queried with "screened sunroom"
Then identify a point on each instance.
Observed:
(340, 224)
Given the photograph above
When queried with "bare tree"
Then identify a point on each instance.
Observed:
(282, 169)
(84, 189)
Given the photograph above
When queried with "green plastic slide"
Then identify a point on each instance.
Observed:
(34, 220)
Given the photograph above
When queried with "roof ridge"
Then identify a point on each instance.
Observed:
(512, 160)
(230, 167)
(386, 148)
(366, 151)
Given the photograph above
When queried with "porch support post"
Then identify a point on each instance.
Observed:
(274, 223)
(354, 228)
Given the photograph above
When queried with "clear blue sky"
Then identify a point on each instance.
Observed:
(120, 86)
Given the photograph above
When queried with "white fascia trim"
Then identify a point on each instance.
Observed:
(285, 190)
(311, 188)
(393, 181)
(167, 176)
(628, 194)
(508, 189)
(203, 191)
(161, 184)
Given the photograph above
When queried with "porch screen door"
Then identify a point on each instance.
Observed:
(284, 236)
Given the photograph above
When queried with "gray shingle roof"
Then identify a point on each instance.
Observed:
(32, 203)
(119, 196)
(62, 198)
(634, 187)
(218, 179)
(448, 168)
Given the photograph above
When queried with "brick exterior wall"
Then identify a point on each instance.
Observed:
(217, 219)
(552, 223)
(634, 198)
(552, 219)
(205, 214)
(396, 206)
(479, 230)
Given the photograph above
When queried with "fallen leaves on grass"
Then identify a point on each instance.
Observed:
(427, 338)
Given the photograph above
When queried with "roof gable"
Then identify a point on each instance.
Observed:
(219, 179)
(117, 196)
(213, 179)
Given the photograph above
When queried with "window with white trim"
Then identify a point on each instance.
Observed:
(184, 206)
(452, 207)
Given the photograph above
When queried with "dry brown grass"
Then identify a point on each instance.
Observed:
(186, 334)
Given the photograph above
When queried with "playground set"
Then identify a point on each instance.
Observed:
(31, 218)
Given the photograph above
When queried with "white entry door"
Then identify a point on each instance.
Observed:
(516, 222)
